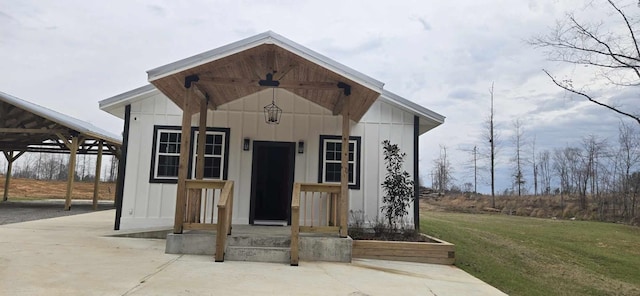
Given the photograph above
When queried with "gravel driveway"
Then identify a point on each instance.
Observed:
(20, 211)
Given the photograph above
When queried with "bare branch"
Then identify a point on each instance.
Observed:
(570, 89)
(626, 21)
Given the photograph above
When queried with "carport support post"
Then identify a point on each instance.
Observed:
(96, 184)
(10, 159)
(72, 171)
(344, 170)
(183, 165)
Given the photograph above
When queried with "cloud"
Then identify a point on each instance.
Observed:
(425, 25)
(157, 10)
(442, 55)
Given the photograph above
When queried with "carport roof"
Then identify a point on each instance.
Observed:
(26, 126)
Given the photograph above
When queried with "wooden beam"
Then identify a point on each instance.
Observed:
(10, 159)
(344, 177)
(202, 94)
(244, 82)
(337, 108)
(183, 166)
(228, 81)
(317, 85)
(72, 171)
(7, 176)
(211, 102)
(96, 184)
(30, 131)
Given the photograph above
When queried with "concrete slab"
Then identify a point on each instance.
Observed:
(74, 256)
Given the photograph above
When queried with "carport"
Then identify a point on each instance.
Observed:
(28, 127)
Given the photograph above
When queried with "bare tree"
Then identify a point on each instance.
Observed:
(535, 166)
(544, 169)
(443, 173)
(561, 159)
(593, 148)
(492, 136)
(518, 157)
(113, 169)
(613, 51)
(628, 157)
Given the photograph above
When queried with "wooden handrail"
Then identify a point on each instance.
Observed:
(332, 193)
(225, 212)
(200, 213)
(295, 224)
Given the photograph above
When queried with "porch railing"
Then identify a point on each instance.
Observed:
(319, 204)
(201, 210)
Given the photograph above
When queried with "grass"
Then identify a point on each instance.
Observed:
(532, 256)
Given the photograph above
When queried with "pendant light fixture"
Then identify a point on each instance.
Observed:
(272, 112)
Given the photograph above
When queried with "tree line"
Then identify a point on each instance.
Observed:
(48, 166)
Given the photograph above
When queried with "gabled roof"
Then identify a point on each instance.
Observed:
(234, 71)
(36, 121)
(268, 37)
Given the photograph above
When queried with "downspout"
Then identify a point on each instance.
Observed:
(416, 173)
(122, 165)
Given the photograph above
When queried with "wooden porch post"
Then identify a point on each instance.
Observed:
(344, 177)
(96, 184)
(202, 138)
(10, 159)
(183, 166)
(72, 171)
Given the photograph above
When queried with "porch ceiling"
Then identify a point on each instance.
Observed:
(235, 76)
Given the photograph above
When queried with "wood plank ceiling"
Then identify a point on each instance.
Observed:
(21, 130)
(236, 76)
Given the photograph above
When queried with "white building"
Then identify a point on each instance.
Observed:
(264, 160)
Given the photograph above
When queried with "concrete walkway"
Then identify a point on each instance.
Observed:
(74, 256)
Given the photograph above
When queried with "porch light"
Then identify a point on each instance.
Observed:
(272, 112)
(300, 147)
(245, 144)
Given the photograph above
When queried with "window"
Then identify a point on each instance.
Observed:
(214, 152)
(166, 153)
(331, 160)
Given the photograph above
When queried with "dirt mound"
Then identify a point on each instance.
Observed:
(38, 189)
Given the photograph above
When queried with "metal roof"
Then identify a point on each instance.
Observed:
(268, 37)
(67, 121)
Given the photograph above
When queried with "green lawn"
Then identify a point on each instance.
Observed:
(531, 256)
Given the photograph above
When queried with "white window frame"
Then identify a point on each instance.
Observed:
(355, 141)
(194, 154)
(157, 152)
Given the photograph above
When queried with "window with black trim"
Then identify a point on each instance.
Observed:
(331, 160)
(214, 152)
(166, 153)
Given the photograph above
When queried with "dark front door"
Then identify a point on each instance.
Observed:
(272, 182)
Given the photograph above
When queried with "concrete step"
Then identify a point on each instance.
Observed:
(258, 254)
(259, 241)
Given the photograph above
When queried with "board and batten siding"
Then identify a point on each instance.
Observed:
(147, 205)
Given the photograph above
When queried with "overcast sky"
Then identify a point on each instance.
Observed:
(444, 55)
